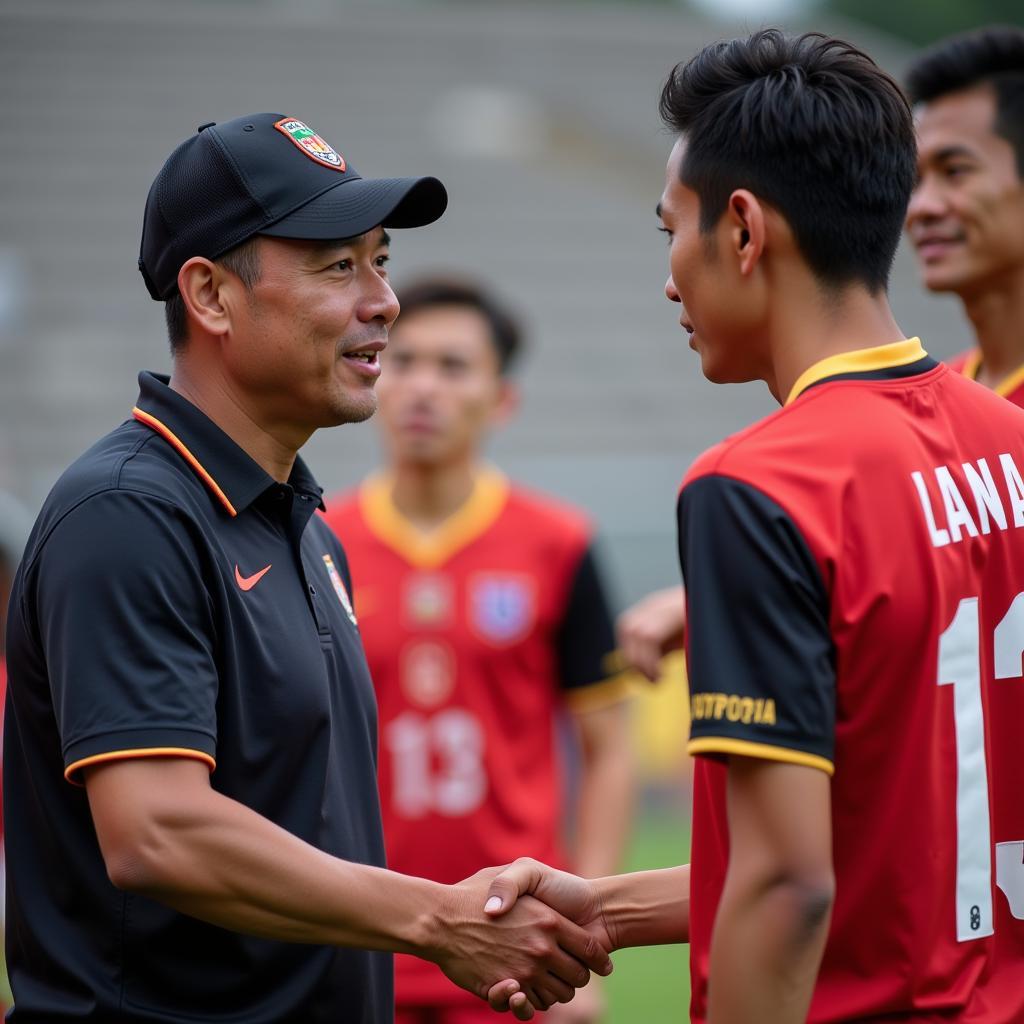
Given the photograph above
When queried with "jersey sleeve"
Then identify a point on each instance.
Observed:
(127, 629)
(759, 647)
(586, 641)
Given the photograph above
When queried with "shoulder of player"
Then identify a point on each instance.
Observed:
(547, 516)
(343, 511)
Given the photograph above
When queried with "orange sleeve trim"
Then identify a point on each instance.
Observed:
(765, 751)
(1008, 385)
(179, 446)
(128, 755)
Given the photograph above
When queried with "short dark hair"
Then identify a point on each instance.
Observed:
(432, 292)
(243, 261)
(814, 127)
(992, 56)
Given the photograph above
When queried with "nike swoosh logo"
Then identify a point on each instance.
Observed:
(248, 582)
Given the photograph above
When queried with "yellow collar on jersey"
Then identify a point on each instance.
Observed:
(1005, 387)
(862, 360)
(431, 549)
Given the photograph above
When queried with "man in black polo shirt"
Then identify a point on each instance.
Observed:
(194, 833)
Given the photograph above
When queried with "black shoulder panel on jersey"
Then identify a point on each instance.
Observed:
(760, 652)
(586, 637)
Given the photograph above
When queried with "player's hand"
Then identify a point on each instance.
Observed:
(548, 955)
(576, 898)
(650, 629)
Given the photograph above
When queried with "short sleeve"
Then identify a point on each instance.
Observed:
(127, 629)
(759, 649)
(586, 640)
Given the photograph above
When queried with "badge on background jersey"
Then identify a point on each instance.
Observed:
(427, 600)
(502, 606)
(427, 673)
(339, 589)
(307, 140)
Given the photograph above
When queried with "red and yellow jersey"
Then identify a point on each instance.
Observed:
(854, 567)
(475, 636)
(1011, 387)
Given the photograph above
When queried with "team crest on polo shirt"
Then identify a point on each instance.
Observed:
(502, 606)
(339, 589)
(313, 145)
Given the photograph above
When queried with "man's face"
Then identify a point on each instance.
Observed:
(441, 389)
(966, 214)
(714, 306)
(305, 343)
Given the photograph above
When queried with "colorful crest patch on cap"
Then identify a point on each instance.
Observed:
(310, 143)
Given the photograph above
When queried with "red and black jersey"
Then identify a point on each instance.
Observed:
(1011, 387)
(475, 635)
(854, 567)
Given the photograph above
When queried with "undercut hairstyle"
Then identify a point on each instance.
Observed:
(991, 56)
(813, 127)
(433, 292)
(243, 261)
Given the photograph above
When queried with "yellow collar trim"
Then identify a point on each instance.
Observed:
(430, 549)
(1005, 387)
(862, 360)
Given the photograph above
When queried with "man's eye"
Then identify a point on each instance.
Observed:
(957, 170)
(667, 234)
(383, 260)
(343, 264)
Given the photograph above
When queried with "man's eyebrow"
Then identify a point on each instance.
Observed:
(322, 248)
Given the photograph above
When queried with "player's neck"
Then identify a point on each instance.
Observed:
(997, 315)
(806, 334)
(428, 495)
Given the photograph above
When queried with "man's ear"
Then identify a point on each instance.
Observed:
(205, 289)
(745, 219)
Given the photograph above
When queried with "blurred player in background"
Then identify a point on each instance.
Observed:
(854, 566)
(966, 216)
(483, 616)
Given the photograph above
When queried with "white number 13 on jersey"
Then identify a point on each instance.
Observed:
(960, 666)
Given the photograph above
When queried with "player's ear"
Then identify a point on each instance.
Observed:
(746, 225)
(204, 288)
(508, 402)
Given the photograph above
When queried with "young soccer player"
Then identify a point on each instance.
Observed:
(853, 574)
(483, 618)
(966, 215)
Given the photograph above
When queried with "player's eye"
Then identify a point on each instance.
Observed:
(382, 260)
(345, 264)
(667, 234)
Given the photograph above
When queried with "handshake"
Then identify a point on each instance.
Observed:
(526, 936)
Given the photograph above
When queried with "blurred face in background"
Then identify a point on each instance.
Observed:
(441, 390)
(966, 214)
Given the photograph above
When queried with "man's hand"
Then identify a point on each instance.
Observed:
(546, 954)
(650, 629)
(573, 897)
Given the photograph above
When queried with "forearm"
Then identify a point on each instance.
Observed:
(227, 865)
(604, 812)
(646, 908)
(765, 952)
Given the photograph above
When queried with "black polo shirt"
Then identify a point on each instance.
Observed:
(175, 598)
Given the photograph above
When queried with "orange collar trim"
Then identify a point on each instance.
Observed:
(179, 446)
(1005, 387)
(429, 550)
(862, 360)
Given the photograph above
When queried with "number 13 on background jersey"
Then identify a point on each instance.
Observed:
(960, 667)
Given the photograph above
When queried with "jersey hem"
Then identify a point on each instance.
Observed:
(764, 751)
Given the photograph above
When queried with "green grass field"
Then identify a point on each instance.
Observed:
(652, 985)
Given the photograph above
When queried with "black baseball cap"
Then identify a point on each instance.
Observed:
(266, 174)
